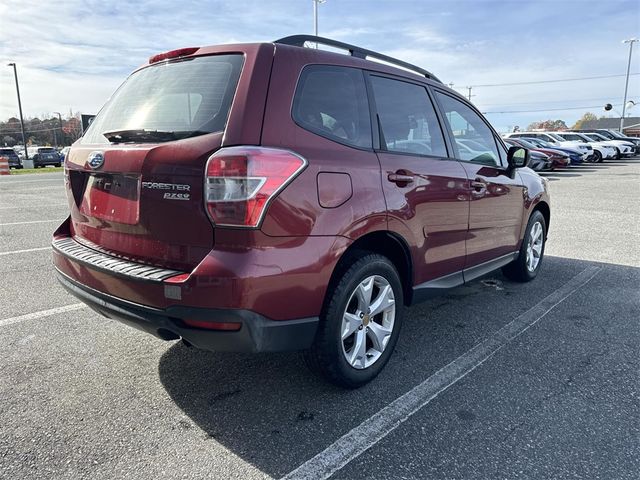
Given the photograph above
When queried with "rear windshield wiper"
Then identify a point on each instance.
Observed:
(143, 135)
(138, 135)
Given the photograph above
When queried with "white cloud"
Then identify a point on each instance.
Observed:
(73, 54)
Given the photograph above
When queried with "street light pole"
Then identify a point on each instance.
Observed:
(315, 17)
(24, 137)
(630, 41)
(61, 132)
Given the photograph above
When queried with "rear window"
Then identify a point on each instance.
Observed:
(332, 102)
(6, 150)
(408, 118)
(185, 97)
(45, 150)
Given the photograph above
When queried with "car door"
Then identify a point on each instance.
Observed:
(496, 201)
(425, 188)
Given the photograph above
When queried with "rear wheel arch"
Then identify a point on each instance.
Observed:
(387, 244)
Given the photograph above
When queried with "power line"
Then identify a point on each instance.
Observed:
(549, 109)
(3, 132)
(545, 102)
(552, 81)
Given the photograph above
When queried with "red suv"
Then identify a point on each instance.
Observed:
(268, 197)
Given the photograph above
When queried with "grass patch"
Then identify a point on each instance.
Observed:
(24, 171)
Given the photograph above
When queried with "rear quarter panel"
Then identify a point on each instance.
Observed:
(297, 210)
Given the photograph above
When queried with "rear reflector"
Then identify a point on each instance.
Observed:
(180, 52)
(177, 278)
(241, 181)
(226, 326)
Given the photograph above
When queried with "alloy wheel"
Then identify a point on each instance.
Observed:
(534, 246)
(367, 322)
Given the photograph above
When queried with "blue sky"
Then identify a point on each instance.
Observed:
(71, 55)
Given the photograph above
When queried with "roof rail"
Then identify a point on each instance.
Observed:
(354, 51)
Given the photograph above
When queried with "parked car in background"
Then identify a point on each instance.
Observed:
(43, 156)
(558, 159)
(614, 135)
(538, 161)
(601, 151)
(623, 148)
(64, 152)
(20, 152)
(11, 156)
(575, 155)
(300, 204)
(553, 139)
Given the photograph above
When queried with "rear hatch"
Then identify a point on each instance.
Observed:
(135, 181)
(48, 155)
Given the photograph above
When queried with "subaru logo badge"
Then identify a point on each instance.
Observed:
(95, 160)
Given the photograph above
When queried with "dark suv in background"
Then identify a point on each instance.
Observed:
(44, 156)
(12, 157)
(268, 197)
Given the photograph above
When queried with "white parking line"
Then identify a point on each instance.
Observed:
(27, 250)
(13, 182)
(27, 223)
(375, 428)
(41, 314)
(20, 207)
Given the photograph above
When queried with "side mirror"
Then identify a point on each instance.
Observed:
(517, 157)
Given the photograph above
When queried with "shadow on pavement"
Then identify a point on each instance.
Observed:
(268, 408)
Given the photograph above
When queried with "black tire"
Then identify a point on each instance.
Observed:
(617, 157)
(597, 156)
(326, 357)
(58, 165)
(518, 270)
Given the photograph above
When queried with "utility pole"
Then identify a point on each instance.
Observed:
(469, 93)
(61, 132)
(450, 85)
(630, 41)
(24, 137)
(315, 17)
(55, 134)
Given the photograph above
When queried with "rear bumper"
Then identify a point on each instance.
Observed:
(48, 161)
(256, 334)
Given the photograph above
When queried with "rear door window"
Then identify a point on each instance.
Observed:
(408, 119)
(332, 102)
(184, 97)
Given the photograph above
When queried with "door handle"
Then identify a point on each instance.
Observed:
(478, 187)
(400, 178)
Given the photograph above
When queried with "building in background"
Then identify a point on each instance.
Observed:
(631, 125)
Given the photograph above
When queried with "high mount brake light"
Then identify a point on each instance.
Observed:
(180, 52)
(241, 181)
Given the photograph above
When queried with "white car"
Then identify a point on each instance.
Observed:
(550, 137)
(601, 150)
(624, 148)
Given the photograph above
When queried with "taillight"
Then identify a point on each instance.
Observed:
(241, 181)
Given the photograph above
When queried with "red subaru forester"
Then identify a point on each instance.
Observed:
(268, 197)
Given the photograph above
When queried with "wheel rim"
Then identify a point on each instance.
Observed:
(367, 322)
(534, 246)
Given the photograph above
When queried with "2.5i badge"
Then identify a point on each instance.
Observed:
(178, 191)
(176, 196)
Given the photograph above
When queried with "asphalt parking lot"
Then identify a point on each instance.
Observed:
(492, 380)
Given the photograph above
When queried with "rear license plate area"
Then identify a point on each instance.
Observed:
(112, 197)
